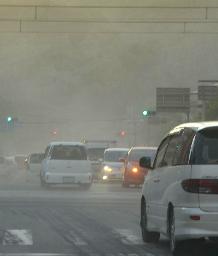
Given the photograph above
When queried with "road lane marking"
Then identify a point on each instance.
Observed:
(17, 237)
(128, 237)
(72, 236)
(36, 254)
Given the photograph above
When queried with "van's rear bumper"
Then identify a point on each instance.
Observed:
(186, 228)
(67, 178)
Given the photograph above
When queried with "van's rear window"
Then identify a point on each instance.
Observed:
(206, 147)
(65, 152)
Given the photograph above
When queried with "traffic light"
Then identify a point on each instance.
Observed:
(148, 113)
(54, 132)
(10, 122)
(122, 133)
(145, 113)
(9, 119)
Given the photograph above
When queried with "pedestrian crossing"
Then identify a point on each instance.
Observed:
(17, 237)
(127, 236)
(24, 237)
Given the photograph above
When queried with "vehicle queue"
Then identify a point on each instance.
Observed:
(179, 178)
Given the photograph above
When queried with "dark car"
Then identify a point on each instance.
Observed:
(133, 173)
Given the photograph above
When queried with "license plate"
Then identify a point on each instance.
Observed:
(68, 179)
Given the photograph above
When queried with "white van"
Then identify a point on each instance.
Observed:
(180, 192)
(66, 163)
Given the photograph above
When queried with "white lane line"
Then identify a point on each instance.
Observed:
(17, 237)
(76, 239)
(128, 237)
(35, 254)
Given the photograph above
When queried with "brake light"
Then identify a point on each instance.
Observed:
(195, 217)
(201, 186)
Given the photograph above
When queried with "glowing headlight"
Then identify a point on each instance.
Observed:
(107, 169)
(135, 170)
(105, 177)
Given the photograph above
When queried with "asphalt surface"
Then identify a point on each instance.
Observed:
(70, 221)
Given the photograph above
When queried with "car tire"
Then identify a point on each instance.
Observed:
(173, 242)
(147, 236)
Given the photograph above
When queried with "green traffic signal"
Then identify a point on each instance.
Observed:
(145, 113)
(148, 113)
(9, 119)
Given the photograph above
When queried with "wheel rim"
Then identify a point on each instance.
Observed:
(172, 233)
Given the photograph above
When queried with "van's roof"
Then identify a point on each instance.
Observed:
(117, 149)
(66, 143)
(197, 126)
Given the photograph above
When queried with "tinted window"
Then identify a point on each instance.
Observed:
(171, 151)
(206, 147)
(66, 152)
(179, 148)
(182, 152)
(114, 156)
(161, 152)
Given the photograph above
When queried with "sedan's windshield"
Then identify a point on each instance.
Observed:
(114, 156)
(95, 154)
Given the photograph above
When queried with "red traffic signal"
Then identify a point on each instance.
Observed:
(122, 133)
(54, 132)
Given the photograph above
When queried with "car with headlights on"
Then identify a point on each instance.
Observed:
(112, 168)
(180, 193)
(134, 174)
(66, 163)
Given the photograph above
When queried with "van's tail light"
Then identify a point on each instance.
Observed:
(201, 186)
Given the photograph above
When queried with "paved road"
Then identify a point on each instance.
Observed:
(70, 221)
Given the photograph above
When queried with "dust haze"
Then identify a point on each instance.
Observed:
(93, 86)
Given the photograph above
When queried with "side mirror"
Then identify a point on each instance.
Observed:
(145, 162)
(122, 160)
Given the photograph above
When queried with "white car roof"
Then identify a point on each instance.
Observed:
(195, 126)
(66, 143)
(144, 148)
(116, 149)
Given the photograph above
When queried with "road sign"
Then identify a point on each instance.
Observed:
(207, 92)
(173, 100)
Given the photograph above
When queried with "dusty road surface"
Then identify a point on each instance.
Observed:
(70, 221)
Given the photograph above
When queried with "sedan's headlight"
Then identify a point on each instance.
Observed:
(107, 169)
(135, 170)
